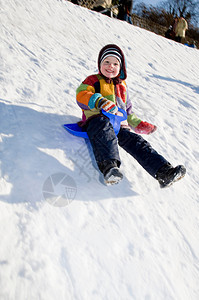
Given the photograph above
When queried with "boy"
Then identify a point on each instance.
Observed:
(107, 90)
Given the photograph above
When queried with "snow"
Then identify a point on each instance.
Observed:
(88, 241)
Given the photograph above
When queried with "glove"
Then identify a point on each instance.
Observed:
(145, 128)
(107, 105)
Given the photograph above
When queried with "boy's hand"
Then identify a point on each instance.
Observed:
(145, 128)
(107, 105)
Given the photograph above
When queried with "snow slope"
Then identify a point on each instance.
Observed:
(130, 241)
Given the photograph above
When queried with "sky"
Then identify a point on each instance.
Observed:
(149, 2)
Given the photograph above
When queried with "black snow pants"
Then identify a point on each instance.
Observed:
(105, 145)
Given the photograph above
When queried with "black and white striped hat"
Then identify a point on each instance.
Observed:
(113, 50)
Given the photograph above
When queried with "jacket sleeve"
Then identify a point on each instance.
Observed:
(86, 95)
(132, 119)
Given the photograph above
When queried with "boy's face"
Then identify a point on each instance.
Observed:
(110, 67)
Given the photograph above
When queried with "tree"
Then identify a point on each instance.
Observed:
(165, 12)
(154, 14)
(189, 9)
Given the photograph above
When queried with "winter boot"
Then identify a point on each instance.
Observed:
(167, 175)
(113, 176)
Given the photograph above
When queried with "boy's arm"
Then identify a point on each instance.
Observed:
(137, 124)
(85, 94)
(132, 119)
(88, 99)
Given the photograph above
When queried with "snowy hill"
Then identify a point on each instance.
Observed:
(130, 241)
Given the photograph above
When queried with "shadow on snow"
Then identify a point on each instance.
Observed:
(35, 146)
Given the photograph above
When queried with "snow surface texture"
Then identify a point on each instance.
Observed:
(130, 241)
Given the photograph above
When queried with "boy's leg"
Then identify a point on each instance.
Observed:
(142, 151)
(155, 164)
(104, 143)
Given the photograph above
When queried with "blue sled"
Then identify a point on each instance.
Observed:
(115, 120)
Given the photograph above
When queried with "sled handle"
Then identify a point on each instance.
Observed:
(114, 119)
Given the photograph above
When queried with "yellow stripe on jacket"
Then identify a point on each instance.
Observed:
(95, 87)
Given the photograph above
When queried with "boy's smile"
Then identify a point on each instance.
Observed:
(110, 67)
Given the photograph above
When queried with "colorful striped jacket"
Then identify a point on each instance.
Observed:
(95, 87)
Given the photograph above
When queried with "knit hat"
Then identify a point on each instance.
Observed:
(113, 50)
